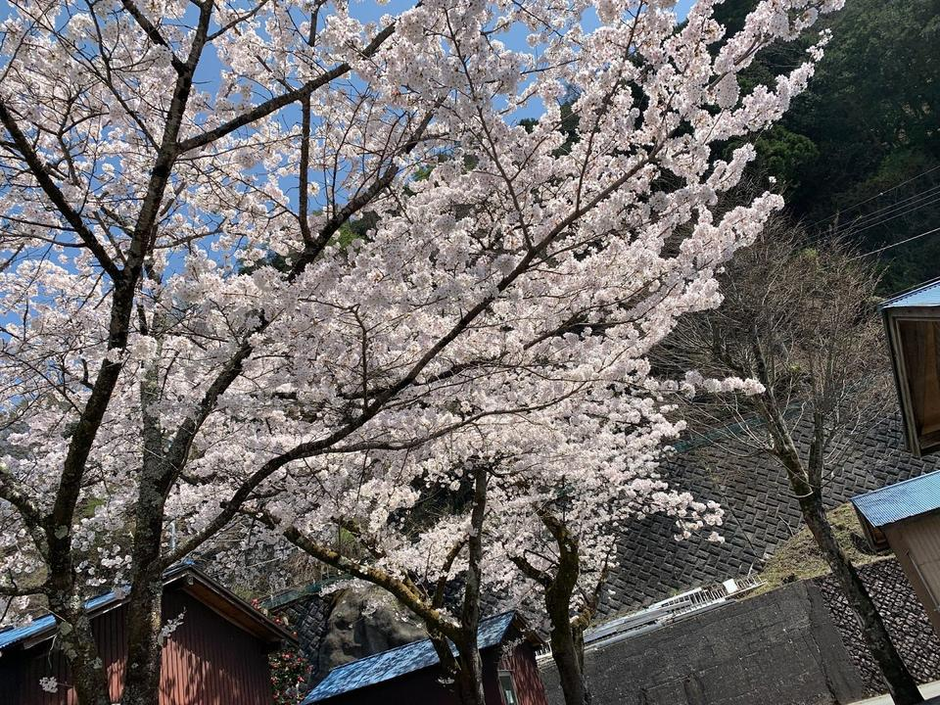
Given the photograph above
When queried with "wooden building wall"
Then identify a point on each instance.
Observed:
(206, 661)
(919, 366)
(916, 543)
(526, 676)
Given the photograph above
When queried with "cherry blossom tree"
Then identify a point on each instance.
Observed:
(445, 529)
(567, 549)
(277, 262)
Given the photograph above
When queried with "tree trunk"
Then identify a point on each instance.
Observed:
(469, 666)
(142, 675)
(77, 641)
(901, 683)
(566, 639)
(144, 610)
(806, 485)
(568, 654)
(470, 675)
(566, 634)
(75, 636)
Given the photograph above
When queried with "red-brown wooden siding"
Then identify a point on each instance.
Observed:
(525, 675)
(207, 660)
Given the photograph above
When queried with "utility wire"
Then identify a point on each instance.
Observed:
(897, 244)
(912, 203)
(935, 199)
(877, 195)
(909, 201)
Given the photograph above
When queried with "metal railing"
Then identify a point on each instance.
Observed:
(664, 612)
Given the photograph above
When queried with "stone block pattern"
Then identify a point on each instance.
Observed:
(759, 512)
(309, 618)
(904, 617)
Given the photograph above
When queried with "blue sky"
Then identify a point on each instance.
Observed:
(372, 11)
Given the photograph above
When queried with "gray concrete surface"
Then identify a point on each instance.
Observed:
(928, 690)
(780, 648)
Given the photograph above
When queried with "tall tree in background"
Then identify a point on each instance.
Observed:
(857, 155)
(155, 366)
(803, 323)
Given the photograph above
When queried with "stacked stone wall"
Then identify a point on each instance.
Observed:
(904, 616)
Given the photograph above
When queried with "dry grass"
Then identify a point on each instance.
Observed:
(799, 559)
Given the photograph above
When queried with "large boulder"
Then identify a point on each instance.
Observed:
(363, 622)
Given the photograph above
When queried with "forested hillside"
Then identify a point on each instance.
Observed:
(859, 153)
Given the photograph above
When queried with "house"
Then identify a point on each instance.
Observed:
(411, 673)
(906, 517)
(912, 324)
(217, 655)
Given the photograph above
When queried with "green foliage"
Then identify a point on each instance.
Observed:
(568, 127)
(355, 230)
(289, 673)
(786, 155)
(288, 676)
(869, 122)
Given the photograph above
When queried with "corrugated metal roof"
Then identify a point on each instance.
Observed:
(399, 661)
(13, 636)
(904, 500)
(45, 625)
(925, 295)
(9, 637)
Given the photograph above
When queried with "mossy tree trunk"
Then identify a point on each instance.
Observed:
(806, 482)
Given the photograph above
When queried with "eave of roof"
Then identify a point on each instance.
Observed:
(227, 604)
(904, 500)
(195, 582)
(44, 627)
(925, 295)
(400, 661)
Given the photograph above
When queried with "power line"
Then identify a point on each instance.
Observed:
(897, 244)
(921, 199)
(877, 195)
(934, 199)
(909, 201)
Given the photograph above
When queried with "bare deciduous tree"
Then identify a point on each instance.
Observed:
(803, 322)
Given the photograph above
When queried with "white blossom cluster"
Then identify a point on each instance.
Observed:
(496, 307)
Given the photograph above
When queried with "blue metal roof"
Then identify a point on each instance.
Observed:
(399, 661)
(45, 625)
(47, 622)
(925, 295)
(907, 499)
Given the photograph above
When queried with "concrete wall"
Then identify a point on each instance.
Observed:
(780, 648)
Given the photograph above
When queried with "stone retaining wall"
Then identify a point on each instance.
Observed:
(798, 645)
(904, 617)
(780, 648)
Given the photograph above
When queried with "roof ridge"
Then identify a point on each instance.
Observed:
(895, 484)
(897, 298)
(372, 657)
